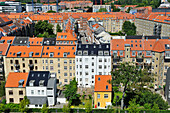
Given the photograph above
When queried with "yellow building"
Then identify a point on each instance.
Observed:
(102, 91)
(15, 87)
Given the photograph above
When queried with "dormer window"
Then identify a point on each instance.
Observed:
(38, 75)
(79, 52)
(51, 54)
(31, 83)
(65, 36)
(86, 46)
(85, 52)
(65, 54)
(106, 87)
(79, 45)
(21, 82)
(100, 46)
(61, 36)
(41, 83)
(107, 46)
(30, 54)
(99, 79)
(100, 52)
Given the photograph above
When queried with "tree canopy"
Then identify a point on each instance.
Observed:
(71, 92)
(129, 28)
(51, 11)
(58, 28)
(23, 105)
(114, 9)
(102, 10)
(44, 29)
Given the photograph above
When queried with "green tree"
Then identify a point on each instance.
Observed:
(88, 106)
(147, 106)
(51, 11)
(102, 10)
(129, 28)
(66, 108)
(2, 89)
(128, 75)
(71, 91)
(133, 107)
(2, 108)
(44, 109)
(114, 9)
(110, 109)
(58, 28)
(128, 10)
(23, 105)
(155, 108)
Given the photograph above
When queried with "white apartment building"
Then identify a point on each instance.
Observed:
(40, 89)
(91, 60)
(96, 8)
(10, 7)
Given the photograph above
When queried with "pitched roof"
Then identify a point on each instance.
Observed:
(3, 49)
(6, 38)
(25, 51)
(14, 78)
(101, 81)
(58, 51)
(67, 36)
(35, 41)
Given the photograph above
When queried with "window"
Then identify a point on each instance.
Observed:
(20, 99)
(65, 74)
(92, 70)
(98, 104)
(133, 53)
(86, 73)
(85, 52)
(51, 68)
(36, 105)
(21, 92)
(12, 68)
(106, 87)
(65, 67)
(35, 61)
(64, 54)
(70, 61)
(127, 49)
(46, 61)
(105, 95)
(65, 80)
(11, 100)
(80, 66)
(70, 74)
(43, 61)
(98, 95)
(58, 64)
(121, 53)
(70, 67)
(148, 53)
(100, 60)
(32, 92)
(86, 66)
(156, 58)
(10, 92)
(38, 92)
(92, 63)
(42, 92)
(11, 61)
(99, 79)
(100, 52)
(65, 61)
(51, 61)
(46, 67)
(100, 66)
(23, 65)
(58, 71)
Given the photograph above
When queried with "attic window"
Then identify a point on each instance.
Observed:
(43, 75)
(65, 54)
(36, 53)
(59, 48)
(30, 54)
(41, 83)
(150, 45)
(61, 36)
(47, 53)
(58, 53)
(0, 52)
(13, 54)
(51, 54)
(107, 46)
(86, 46)
(65, 36)
(99, 79)
(100, 46)
(31, 83)
(58, 36)
(47, 47)
(117, 45)
(72, 48)
(106, 87)
(38, 75)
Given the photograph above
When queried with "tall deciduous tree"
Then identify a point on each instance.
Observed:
(23, 105)
(129, 28)
(71, 91)
(128, 75)
(58, 28)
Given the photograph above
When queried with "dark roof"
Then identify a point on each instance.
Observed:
(49, 41)
(140, 37)
(93, 49)
(21, 41)
(37, 76)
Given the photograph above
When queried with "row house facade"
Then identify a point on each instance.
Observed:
(91, 60)
(151, 54)
(152, 24)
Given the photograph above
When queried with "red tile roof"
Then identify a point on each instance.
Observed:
(14, 78)
(25, 51)
(59, 51)
(6, 38)
(69, 36)
(35, 41)
(3, 49)
(100, 85)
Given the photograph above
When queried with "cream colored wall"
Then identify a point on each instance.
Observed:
(15, 95)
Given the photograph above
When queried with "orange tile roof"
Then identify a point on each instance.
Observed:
(6, 38)
(3, 49)
(69, 36)
(35, 41)
(59, 51)
(25, 50)
(14, 78)
(101, 85)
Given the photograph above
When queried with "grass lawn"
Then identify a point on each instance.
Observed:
(81, 105)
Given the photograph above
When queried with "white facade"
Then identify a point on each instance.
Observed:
(37, 7)
(36, 91)
(11, 7)
(89, 66)
(97, 7)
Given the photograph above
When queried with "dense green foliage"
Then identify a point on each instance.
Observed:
(44, 109)
(146, 98)
(58, 28)
(88, 106)
(153, 3)
(51, 11)
(133, 107)
(129, 28)
(116, 34)
(23, 105)
(2, 89)
(102, 10)
(66, 108)
(114, 8)
(71, 92)
(44, 29)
